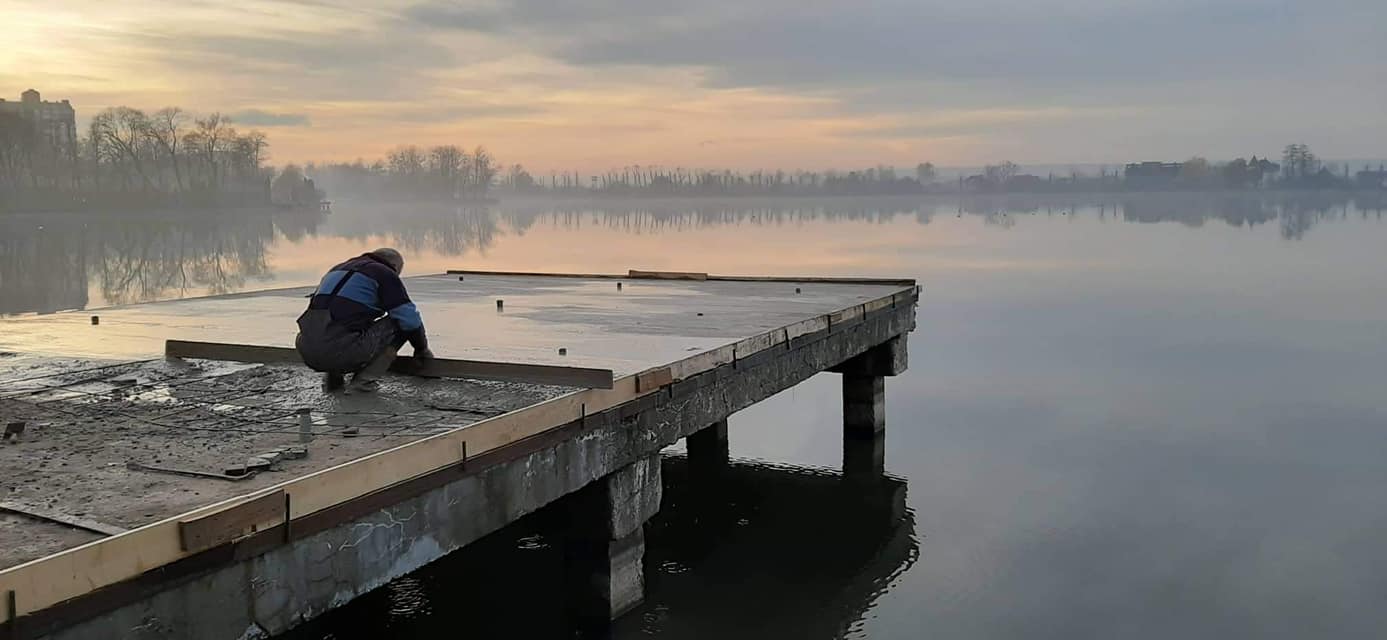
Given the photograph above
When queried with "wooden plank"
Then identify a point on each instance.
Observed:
(878, 304)
(582, 377)
(703, 361)
(230, 352)
(902, 282)
(757, 344)
(535, 274)
(666, 275)
(654, 379)
(232, 522)
(75, 572)
(845, 316)
(48, 515)
(803, 327)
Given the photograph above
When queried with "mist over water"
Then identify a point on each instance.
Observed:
(55, 262)
(1139, 416)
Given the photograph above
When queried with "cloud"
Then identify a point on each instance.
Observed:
(260, 118)
(1092, 77)
(817, 82)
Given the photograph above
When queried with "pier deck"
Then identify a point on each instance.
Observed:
(107, 418)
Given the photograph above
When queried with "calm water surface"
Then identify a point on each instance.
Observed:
(1134, 417)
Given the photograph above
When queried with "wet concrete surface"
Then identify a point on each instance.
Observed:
(644, 324)
(84, 426)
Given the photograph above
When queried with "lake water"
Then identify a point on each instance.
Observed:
(1136, 417)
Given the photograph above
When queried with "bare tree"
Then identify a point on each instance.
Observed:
(1000, 174)
(407, 164)
(211, 140)
(445, 165)
(125, 132)
(483, 170)
(166, 128)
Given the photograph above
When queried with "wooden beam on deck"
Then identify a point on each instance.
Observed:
(581, 377)
(634, 274)
(49, 515)
(666, 275)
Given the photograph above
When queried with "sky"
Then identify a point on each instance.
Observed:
(588, 85)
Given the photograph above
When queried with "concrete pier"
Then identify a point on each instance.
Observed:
(494, 453)
(864, 406)
(606, 543)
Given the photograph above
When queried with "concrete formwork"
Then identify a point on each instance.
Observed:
(271, 581)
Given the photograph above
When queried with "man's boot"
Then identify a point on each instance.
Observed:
(334, 380)
(368, 379)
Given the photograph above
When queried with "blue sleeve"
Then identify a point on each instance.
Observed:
(395, 300)
(407, 315)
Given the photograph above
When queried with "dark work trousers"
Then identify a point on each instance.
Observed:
(330, 347)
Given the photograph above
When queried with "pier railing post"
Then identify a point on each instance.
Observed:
(606, 548)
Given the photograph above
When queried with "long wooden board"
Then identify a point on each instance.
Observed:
(666, 275)
(582, 377)
(48, 515)
(640, 275)
(41, 583)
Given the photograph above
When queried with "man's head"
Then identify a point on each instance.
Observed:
(391, 257)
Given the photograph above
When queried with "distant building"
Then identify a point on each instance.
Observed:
(55, 122)
(1145, 175)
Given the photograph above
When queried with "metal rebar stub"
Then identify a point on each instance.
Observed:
(13, 430)
(563, 351)
(618, 286)
(96, 320)
(305, 425)
(500, 305)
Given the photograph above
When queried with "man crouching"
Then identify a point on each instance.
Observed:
(358, 319)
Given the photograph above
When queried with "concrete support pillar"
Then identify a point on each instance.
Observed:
(864, 458)
(606, 547)
(864, 405)
(708, 447)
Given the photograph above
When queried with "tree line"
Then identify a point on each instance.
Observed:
(130, 157)
(662, 181)
(1299, 169)
(446, 172)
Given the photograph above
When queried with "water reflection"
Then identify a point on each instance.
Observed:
(69, 262)
(737, 553)
(52, 263)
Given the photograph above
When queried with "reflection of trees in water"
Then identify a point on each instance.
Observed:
(1296, 212)
(49, 267)
(42, 268)
(451, 229)
(141, 262)
(140, 258)
(447, 229)
(674, 216)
